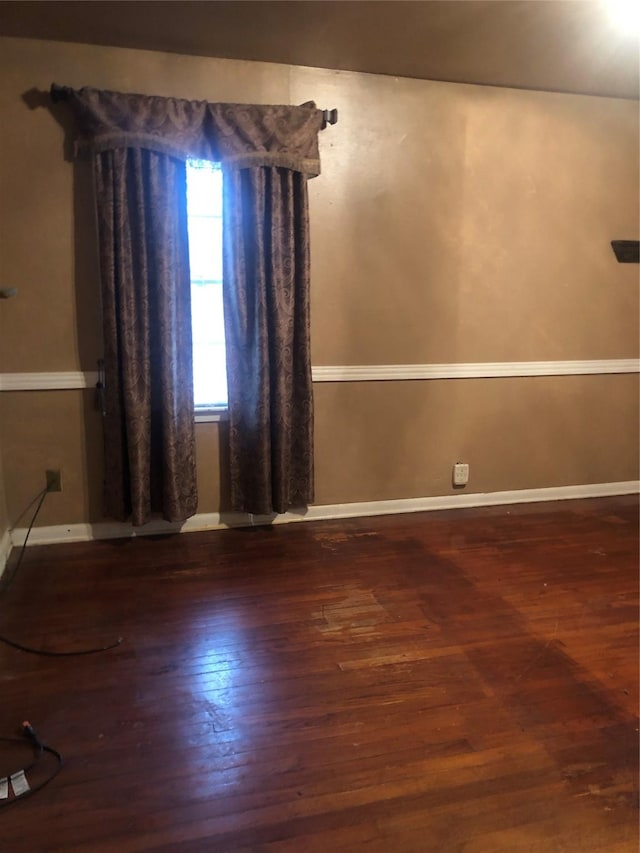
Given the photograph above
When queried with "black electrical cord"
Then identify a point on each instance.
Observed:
(52, 653)
(39, 749)
(45, 652)
(42, 495)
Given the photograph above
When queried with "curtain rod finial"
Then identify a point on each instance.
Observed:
(58, 93)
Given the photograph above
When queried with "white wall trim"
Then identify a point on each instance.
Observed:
(472, 370)
(62, 381)
(211, 417)
(5, 550)
(216, 520)
(70, 380)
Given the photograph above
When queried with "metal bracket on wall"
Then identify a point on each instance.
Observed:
(626, 251)
(329, 117)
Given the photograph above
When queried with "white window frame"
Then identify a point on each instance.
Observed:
(210, 414)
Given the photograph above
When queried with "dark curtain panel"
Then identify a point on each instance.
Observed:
(266, 303)
(267, 152)
(149, 430)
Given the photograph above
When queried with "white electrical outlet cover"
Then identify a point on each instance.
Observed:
(460, 473)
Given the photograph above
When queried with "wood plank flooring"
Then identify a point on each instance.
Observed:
(457, 681)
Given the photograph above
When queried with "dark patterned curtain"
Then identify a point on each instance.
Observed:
(266, 300)
(146, 298)
(139, 144)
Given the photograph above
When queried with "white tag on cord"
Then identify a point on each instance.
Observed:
(4, 789)
(19, 783)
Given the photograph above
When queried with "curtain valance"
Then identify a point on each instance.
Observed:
(237, 135)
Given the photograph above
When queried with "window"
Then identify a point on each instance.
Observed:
(204, 212)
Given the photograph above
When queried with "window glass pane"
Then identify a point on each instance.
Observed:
(204, 208)
(207, 318)
(209, 375)
(205, 248)
(204, 188)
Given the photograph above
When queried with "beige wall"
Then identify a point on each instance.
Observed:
(452, 223)
(4, 518)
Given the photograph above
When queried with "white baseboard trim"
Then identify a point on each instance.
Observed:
(215, 520)
(5, 550)
(69, 380)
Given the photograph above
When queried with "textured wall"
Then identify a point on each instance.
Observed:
(4, 518)
(452, 223)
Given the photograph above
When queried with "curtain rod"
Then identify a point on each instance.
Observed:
(59, 93)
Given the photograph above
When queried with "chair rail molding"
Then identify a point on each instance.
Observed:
(59, 381)
(473, 370)
(69, 380)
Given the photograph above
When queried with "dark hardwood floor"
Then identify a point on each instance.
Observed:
(460, 681)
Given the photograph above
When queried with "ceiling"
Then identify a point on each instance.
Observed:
(556, 45)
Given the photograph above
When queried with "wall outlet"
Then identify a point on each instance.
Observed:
(460, 474)
(54, 480)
